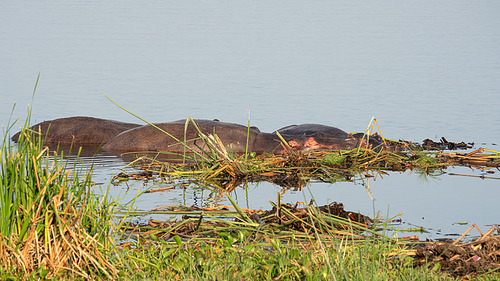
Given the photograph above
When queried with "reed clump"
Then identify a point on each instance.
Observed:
(52, 223)
(282, 222)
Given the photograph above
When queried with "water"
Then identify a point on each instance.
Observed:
(424, 69)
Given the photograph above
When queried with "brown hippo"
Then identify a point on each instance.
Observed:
(122, 137)
(79, 130)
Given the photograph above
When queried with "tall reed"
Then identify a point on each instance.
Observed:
(52, 221)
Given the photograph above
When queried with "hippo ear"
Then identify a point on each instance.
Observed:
(255, 128)
(216, 120)
(377, 137)
(350, 136)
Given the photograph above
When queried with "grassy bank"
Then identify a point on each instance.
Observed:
(52, 221)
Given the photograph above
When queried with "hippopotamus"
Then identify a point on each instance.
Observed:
(128, 137)
(79, 130)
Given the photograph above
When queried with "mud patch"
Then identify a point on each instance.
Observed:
(278, 216)
(468, 259)
(445, 144)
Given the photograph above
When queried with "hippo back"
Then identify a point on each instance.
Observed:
(149, 138)
(79, 130)
(316, 130)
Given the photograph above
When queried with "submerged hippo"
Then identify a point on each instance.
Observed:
(128, 137)
(79, 130)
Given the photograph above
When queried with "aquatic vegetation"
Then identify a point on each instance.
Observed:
(296, 168)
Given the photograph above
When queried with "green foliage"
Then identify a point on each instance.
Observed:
(334, 159)
(230, 258)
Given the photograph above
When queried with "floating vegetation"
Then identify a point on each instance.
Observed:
(296, 168)
(282, 222)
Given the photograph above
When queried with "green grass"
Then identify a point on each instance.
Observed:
(235, 257)
(51, 218)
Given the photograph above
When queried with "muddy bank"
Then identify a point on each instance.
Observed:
(444, 144)
(467, 259)
(276, 215)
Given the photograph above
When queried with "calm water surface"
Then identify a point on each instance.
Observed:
(424, 69)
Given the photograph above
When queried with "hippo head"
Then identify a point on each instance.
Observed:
(350, 142)
(313, 142)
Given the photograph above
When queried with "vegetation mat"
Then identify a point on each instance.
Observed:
(295, 168)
